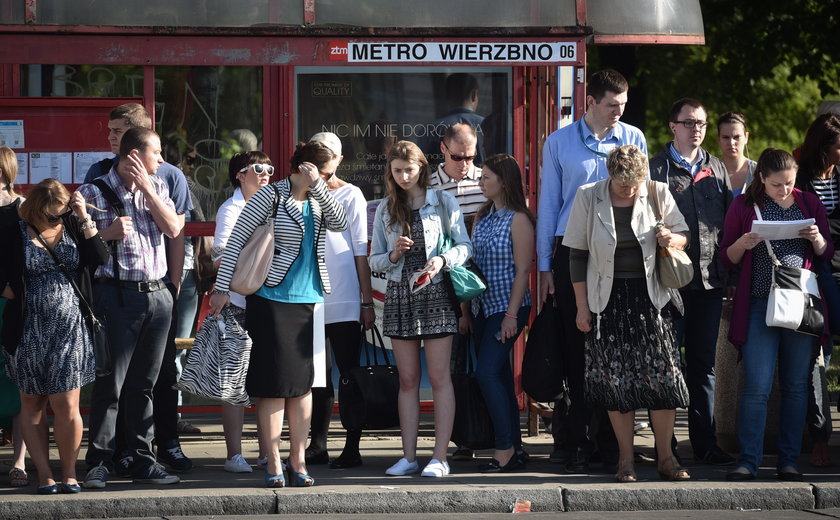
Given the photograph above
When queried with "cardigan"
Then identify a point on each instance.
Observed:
(288, 230)
(739, 220)
(592, 228)
(92, 252)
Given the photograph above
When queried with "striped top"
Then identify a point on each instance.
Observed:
(466, 191)
(288, 230)
(493, 247)
(828, 191)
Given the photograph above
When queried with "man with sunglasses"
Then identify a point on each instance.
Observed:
(121, 119)
(573, 156)
(700, 185)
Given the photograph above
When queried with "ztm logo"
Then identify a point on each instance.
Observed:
(338, 50)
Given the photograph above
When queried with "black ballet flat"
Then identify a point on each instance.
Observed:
(494, 466)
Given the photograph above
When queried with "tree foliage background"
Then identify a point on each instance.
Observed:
(775, 61)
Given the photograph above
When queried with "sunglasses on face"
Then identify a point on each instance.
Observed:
(260, 169)
(52, 219)
(691, 123)
(459, 158)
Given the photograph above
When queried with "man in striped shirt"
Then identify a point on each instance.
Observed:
(458, 174)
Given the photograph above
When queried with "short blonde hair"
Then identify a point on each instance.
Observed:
(627, 165)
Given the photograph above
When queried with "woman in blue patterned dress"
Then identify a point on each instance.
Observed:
(44, 321)
(504, 243)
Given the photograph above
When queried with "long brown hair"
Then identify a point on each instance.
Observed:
(9, 172)
(43, 195)
(813, 157)
(770, 161)
(398, 206)
(507, 170)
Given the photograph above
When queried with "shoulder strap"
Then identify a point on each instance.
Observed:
(653, 197)
(63, 269)
(766, 242)
(110, 196)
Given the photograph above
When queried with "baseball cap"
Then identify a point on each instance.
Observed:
(328, 139)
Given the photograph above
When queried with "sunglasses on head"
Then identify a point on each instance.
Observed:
(459, 158)
(52, 219)
(259, 169)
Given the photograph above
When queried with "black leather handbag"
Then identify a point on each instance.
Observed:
(473, 427)
(367, 395)
(543, 376)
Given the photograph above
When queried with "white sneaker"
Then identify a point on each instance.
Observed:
(403, 467)
(435, 468)
(238, 464)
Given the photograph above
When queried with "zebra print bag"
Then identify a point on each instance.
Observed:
(218, 362)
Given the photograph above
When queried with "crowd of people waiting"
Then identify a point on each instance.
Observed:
(114, 249)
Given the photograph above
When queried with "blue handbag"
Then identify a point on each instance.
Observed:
(467, 281)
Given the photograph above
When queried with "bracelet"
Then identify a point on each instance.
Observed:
(89, 225)
(217, 291)
(508, 315)
(367, 305)
(85, 221)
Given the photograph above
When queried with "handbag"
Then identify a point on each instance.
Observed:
(543, 374)
(255, 258)
(96, 324)
(467, 281)
(673, 265)
(367, 395)
(794, 301)
(218, 362)
(473, 426)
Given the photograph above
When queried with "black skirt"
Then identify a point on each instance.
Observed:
(281, 356)
(635, 363)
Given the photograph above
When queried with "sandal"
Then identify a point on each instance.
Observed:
(18, 477)
(626, 472)
(675, 473)
(819, 455)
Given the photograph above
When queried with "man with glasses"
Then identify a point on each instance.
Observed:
(573, 156)
(130, 295)
(701, 187)
(121, 119)
(459, 175)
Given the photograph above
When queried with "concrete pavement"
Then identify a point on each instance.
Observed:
(208, 490)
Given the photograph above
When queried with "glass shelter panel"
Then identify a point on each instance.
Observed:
(81, 80)
(370, 108)
(176, 13)
(204, 115)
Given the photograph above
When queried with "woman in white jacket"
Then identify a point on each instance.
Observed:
(632, 359)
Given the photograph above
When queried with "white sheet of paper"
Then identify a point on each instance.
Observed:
(43, 165)
(774, 230)
(82, 162)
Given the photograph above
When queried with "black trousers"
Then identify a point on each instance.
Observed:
(580, 426)
(344, 342)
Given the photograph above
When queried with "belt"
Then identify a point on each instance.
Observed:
(146, 286)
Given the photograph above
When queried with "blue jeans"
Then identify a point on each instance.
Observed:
(697, 331)
(793, 350)
(495, 376)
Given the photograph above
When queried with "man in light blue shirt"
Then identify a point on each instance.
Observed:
(573, 156)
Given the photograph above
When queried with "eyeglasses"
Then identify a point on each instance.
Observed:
(260, 169)
(52, 219)
(459, 158)
(691, 123)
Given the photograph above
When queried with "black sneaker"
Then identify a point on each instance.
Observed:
(560, 456)
(155, 474)
(170, 454)
(716, 457)
(96, 477)
(123, 465)
(579, 463)
(463, 454)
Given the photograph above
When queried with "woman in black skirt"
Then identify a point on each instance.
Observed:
(632, 359)
(284, 313)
